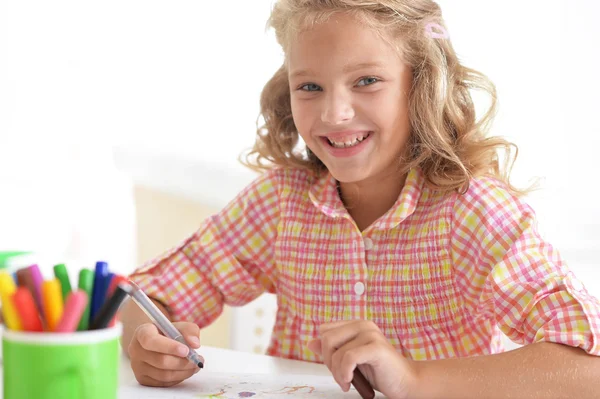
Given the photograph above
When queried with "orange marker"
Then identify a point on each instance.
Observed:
(9, 312)
(27, 310)
(74, 307)
(52, 302)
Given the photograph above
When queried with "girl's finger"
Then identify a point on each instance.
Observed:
(168, 376)
(168, 362)
(151, 382)
(139, 370)
(338, 356)
(334, 339)
(363, 354)
(335, 324)
(150, 339)
(315, 346)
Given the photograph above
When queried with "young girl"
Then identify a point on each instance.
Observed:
(394, 243)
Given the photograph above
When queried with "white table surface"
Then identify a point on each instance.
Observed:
(229, 361)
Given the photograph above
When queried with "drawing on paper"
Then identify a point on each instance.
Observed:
(211, 385)
(271, 387)
(288, 390)
(217, 395)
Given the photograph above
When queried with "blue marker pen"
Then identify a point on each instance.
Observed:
(99, 289)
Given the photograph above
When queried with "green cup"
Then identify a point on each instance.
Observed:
(79, 365)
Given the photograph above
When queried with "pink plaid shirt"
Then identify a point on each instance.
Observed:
(440, 274)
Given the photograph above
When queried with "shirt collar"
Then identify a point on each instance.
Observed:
(324, 195)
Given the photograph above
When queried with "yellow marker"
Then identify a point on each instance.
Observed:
(53, 302)
(9, 312)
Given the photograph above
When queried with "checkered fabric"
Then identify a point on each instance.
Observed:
(441, 274)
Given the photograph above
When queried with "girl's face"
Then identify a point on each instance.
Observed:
(349, 94)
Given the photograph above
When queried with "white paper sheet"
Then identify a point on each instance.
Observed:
(211, 385)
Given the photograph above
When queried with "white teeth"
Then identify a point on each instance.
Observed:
(349, 143)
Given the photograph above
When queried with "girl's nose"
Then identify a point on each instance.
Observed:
(337, 109)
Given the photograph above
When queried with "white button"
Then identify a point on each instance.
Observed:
(368, 244)
(577, 285)
(359, 288)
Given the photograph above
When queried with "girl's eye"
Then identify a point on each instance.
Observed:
(366, 81)
(310, 87)
(369, 80)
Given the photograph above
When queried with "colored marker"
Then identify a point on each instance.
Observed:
(118, 279)
(107, 283)
(74, 308)
(109, 309)
(25, 279)
(160, 320)
(86, 284)
(60, 272)
(9, 312)
(27, 310)
(99, 291)
(52, 302)
(361, 384)
(36, 277)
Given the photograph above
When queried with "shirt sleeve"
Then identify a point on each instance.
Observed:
(509, 273)
(228, 260)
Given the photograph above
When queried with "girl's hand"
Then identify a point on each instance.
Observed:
(159, 361)
(345, 345)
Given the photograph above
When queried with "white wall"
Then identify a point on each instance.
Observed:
(165, 76)
(543, 57)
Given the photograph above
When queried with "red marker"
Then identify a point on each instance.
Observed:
(27, 310)
(116, 280)
(74, 307)
(113, 284)
(25, 279)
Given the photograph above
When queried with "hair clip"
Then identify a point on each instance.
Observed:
(436, 31)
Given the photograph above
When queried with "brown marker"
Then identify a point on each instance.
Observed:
(361, 384)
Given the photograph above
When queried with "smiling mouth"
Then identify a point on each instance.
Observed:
(348, 142)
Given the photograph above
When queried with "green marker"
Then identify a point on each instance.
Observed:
(60, 271)
(86, 283)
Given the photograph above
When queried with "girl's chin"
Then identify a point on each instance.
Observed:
(353, 175)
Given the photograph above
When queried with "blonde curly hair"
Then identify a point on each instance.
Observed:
(447, 141)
